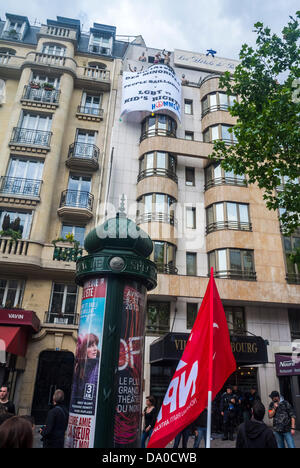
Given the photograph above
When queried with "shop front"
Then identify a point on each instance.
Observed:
(166, 351)
(288, 373)
(16, 328)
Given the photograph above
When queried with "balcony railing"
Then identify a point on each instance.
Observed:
(221, 107)
(57, 31)
(158, 132)
(48, 59)
(94, 73)
(236, 274)
(77, 199)
(31, 137)
(19, 186)
(293, 278)
(157, 172)
(157, 217)
(96, 111)
(225, 181)
(61, 319)
(11, 247)
(166, 269)
(11, 35)
(221, 225)
(99, 50)
(41, 95)
(83, 151)
(67, 254)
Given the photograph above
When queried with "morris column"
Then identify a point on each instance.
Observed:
(105, 409)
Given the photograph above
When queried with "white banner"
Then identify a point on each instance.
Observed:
(152, 90)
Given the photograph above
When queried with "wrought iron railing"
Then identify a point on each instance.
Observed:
(157, 217)
(19, 186)
(166, 269)
(41, 95)
(221, 225)
(77, 199)
(158, 132)
(90, 111)
(61, 319)
(31, 137)
(225, 181)
(158, 172)
(83, 151)
(236, 274)
(67, 254)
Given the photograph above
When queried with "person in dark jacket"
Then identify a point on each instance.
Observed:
(150, 414)
(255, 433)
(227, 407)
(200, 429)
(5, 404)
(53, 433)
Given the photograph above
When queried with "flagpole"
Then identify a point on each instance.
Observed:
(210, 364)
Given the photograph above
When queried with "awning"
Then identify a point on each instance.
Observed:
(13, 340)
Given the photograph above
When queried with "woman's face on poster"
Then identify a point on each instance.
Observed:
(92, 350)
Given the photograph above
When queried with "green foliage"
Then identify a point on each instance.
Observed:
(15, 235)
(267, 82)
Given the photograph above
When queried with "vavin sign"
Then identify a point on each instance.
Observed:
(155, 89)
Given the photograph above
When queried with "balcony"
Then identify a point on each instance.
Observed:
(93, 114)
(15, 188)
(76, 206)
(225, 181)
(58, 32)
(24, 139)
(158, 132)
(40, 97)
(11, 35)
(43, 61)
(157, 172)
(220, 107)
(166, 269)
(83, 156)
(97, 79)
(236, 275)
(156, 217)
(61, 319)
(231, 225)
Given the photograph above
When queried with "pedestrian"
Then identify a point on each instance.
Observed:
(200, 429)
(184, 435)
(16, 432)
(254, 396)
(227, 407)
(53, 433)
(4, 401)
(284, 420)
(150, 414)
(255, 433)
(238, 408)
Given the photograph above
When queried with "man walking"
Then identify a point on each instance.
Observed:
(5, 404)
(53, 432)
(255, 433)
(284, 420)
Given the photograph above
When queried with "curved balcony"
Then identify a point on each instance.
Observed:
(228, 225)
(40, 97)
(76, 206)
(157, 217)
(158, 172)
(43, 60)
(238, 181)
(236, 274)
(166, 269)
(221, 107)
(158, 132)
(158, 125)
(83, 156)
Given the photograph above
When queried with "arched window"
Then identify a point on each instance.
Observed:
(98, 65)
(6, 51)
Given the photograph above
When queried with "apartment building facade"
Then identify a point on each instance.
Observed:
(66, 152)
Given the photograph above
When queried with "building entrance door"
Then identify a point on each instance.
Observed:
(55, 371)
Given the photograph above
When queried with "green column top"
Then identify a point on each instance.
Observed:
(118, 247)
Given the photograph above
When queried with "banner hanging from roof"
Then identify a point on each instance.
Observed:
(156, 89)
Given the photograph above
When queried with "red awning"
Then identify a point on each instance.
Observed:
(13, 340)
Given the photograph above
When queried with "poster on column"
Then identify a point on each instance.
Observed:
(83, 407)
(129, 377)
(156, 89)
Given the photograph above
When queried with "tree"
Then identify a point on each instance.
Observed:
(267, 131)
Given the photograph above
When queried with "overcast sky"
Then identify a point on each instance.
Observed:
(195, 25)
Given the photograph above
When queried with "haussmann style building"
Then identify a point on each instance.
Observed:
(66, 151)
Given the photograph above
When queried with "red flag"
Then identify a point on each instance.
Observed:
(206, 364)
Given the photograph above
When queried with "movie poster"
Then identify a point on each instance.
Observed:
(83, 407)
(129, 378)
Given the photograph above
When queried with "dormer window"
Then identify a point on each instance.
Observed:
(13, 30)
(100, 45)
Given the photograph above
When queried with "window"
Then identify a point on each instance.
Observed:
(188, 106)
(190, 176)
(158, 163)
(85, 141)
(5, 54)
(42, 79)
(191, 264)
(158, 125)
(216, 175)
(294, 319)
(228, 215)
(191, 218)
(63, 304)
(77, 231)
(100, 45)
(216, 101)
(11, 293)
(79, 188)
(163, 256)
(293, 269)
(16, 220)
(90, 104)
(219, 132)
(155, 207)
(232, 263)
(24, 177)
(158, 318)
(191, 314)
(235, 317)
(54, 49)
(189, 136)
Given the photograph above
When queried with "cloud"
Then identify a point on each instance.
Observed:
(184, 24)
